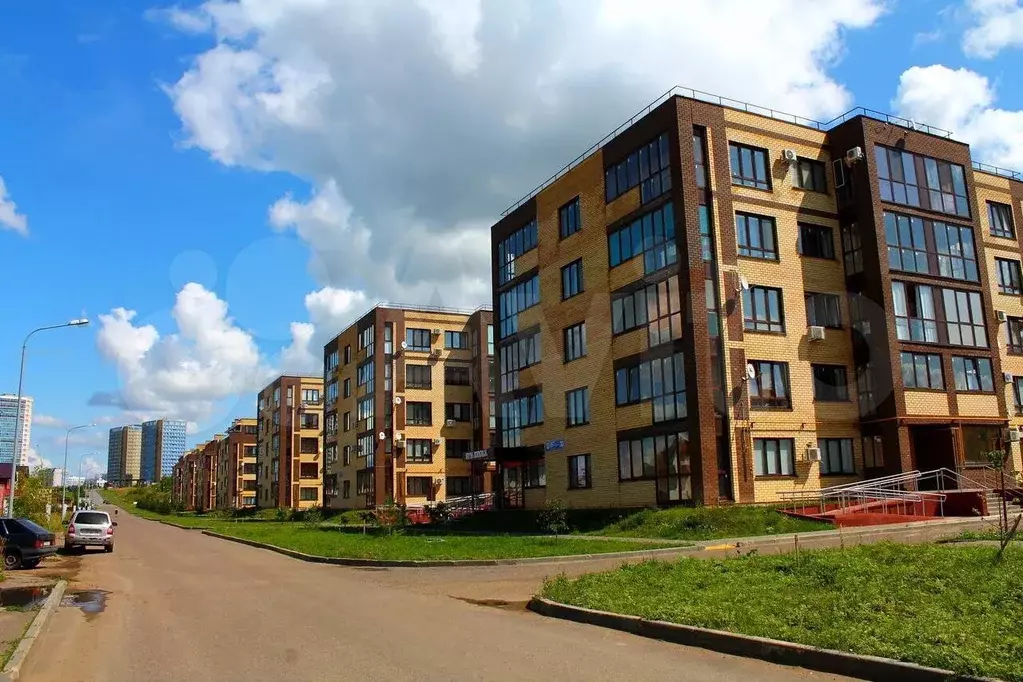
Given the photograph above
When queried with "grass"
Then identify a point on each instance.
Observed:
(12, 646)
(944, 606)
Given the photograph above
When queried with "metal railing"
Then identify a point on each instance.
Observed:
(889, 118)
(995, 170)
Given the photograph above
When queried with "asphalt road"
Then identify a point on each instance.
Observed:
(180, 606)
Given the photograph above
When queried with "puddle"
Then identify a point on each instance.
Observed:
(23, 597)
(495, 603)
(91, 602)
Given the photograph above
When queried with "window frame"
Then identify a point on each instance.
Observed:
(651, 235)
(574, 339)
(458, 412)
(569, 218)
(750, 319)
(826, 445)
(1009, 276)
(931, 247)
(779, 373)
(419, 369)
(1014, 346)
(841, 392)
(425, 482)
(574, 482)
(414, 413)
(735, 158)
(825, 237)
(818, 175)
(925, 363)
(572, 283)
(577, 407)
(910, 175)
(764, 226)
(419, 451)
(454, 336)
(967, 366)
(1000, 214)
(812, 314)
(764, 467)
(453, 374)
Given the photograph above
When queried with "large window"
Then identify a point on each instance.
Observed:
(918, 309)
(363, 482)
(516, 355)
(513, 246)
(455, 448)
(1010, 281)
(873, 452)
(965, 317)
(773, 457)
(579, 472)
(823, 310)
(641, 458)
(1000, 217)
(830, 383)
(756, 235)
(364, 375)
(648, 166)
(769, 386)
(458, 412)
(456, 340)
(810, 174)
(419, 486)
(749, 166)
(518, 414)
(658, 307)
(418, 376)
(837, 456)
(308, 494)
(700, 157)
(418, 414)
(852, 249)
(914, 180)
(922, 370)
(419, 450)
(569, 219)
(575, 341)
(1017, 392)
(460, 486)
(577, 407)
(364, 413)
(651, 235)
(816, 241)
(973, 375)
(572, 279)
(455, 375)
(762, 310)
(663, 381)
(347, 393)
(1014, 327)
(332, 392)
(930, 247)
(417, 339)
(523, 295)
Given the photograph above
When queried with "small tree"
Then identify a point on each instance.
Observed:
(439, 513)
(391, 516)
(554, 517)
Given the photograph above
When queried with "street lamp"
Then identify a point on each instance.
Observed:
(63, 481)
(79, 322)
(81, 478)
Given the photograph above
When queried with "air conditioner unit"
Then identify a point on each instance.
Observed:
(788, 155)
(813, 454)
(438, 441)
(1013, 435)
(1000, 314)
(437, 331)
(435, 352)
(816, 333)
(449, 422)
(853, 155)
(1007, 377)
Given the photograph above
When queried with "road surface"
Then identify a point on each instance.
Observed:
(180, 606)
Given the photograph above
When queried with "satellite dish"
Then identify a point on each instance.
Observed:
(404, 345)
(743, 283)
(751, 372)
(397, 400)
(382, 435)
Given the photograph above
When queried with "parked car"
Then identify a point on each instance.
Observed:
(90, 528)
(26, 543)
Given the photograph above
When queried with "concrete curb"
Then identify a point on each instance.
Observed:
(772, 650)
(172, 525)
(12, 671)
(452, 563)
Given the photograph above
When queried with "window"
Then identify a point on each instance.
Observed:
(418, 376)
(663, 381)
(311, 395)
(837, 456)
(364, 375)
(388, 338)
(348, 354)
(513, 246)
(1009, 277)
(419, 486)
(830, 383)
(965, 317)
(332, 392)
(1000, 217)
(523, 295)
(363, 482)
(823, 310)
(346, 422)
(569, 220)
(460, 486)
(577, 407)
(347, 393)
(915, 180)
(773, 457)
(419, 450)
(518, 354)
(651, 235)
(365, 448)
(700, 156)
(648, 166)
(490, 340)
(972, 374)
(810, 174)
(535, 474)
(517, 414)
(1014, 325)
(852, 249)
(638, 458)
(769, 386)
(346, 489)
(921, 370)
(455, 375)
(309, 470)
(930, 247)
(917, 309)
(346, 455)
(1017, 392)
(417, 339)
(419, 414)
(456, 340)
(756, 236)
(308, 494)
(366, 339)
(762, 310)
(572, 279)
(455, 448)
(575, 342)
(310, 420)
(915, 317)
(749, 166)
(457, 411)
(579, 472)
(330, 363)
(656, 306)
(873, 453)
(816, 241)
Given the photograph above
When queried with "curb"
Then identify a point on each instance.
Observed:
(12, 671)
(172, 525)
(450, 563)
(772, 650)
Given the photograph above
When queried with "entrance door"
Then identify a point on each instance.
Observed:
(672, 459)
(512, 487)
(933, 447)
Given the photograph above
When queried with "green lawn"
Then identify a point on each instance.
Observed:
(333, 543)
(945, 606)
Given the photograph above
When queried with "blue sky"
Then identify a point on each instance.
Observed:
(225, 145)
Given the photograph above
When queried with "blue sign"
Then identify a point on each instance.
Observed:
(552, 445)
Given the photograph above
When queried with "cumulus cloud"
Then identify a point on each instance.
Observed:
(416, 123)
(34, 460)
(46, 421)
(963, 101)
(91, 466)
(10, 219)
(995, 26)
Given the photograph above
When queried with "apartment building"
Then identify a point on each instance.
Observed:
(163, 444)
(186, 475)
(289, 443)
(15, 429)
(124, 455)
(715, 305)
(236, 466)
(409, 407)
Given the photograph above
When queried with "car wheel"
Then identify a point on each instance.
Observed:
(30, 563)
(108, 549)
(12, 560)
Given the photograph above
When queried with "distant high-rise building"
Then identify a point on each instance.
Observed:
(124, 454)
(15, 430)
(163, 444)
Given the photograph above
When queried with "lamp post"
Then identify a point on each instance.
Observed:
(63, 481)
(79, 322)
(82, 487)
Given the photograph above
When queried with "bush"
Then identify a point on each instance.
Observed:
(439, 513)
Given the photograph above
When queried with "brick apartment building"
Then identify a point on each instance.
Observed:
(289, 443)
(714, 305)
(186, 475)
(236, 466)
(409, 395)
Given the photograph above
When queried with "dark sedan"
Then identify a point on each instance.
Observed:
(26, 543)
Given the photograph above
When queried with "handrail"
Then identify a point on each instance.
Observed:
(995, 170)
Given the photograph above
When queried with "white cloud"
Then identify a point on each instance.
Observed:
(34, 460)
(330, 310)
(187, 373)
(10, 219)
(46, 421)
(182, 20)
(962, 101)
(995, 26)
(417, 123)
(91, 466)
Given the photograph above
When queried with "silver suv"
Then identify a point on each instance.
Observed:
(90, 528)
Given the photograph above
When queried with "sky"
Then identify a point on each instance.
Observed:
(221, 187)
